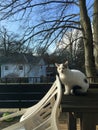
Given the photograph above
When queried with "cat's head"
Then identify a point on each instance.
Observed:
(61, 68)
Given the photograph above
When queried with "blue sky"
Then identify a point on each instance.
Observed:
(11, 26)
(17, 26)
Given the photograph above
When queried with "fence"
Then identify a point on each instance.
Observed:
(27, 80)
(93, 79)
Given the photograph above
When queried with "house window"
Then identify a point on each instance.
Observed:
(6, 67)
(20, 67)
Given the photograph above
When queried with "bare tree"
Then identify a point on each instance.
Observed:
(10, 43)
(95, 28)
(88, 39)
(53, 19)
(50, 22)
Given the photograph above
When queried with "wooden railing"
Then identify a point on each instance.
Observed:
(83, 108)
(21, 95)
(25, 95)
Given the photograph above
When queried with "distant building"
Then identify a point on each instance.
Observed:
(23, 65)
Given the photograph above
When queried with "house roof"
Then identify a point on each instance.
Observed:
(19, 58)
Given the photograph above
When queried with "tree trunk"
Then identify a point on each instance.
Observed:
(95, 28)
(88, 39)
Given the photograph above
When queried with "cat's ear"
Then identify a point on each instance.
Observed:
(56, 64)
(66, 64)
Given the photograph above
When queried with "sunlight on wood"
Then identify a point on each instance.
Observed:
(64, 126)
(96, 127)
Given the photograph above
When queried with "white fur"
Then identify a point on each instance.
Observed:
(71, 78)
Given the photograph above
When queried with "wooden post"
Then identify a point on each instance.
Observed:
(71, 121)
(88, 121)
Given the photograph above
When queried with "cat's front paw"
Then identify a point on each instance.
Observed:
(66, 93)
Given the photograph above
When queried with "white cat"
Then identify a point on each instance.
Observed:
(71, 79)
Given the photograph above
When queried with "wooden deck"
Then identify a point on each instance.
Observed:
(4, 124)
(63, 124)
(62, 121)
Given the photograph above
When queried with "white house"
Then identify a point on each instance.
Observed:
(23, 65)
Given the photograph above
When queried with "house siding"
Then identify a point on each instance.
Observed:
(22, 66)
(38, 69)
(13, 68)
